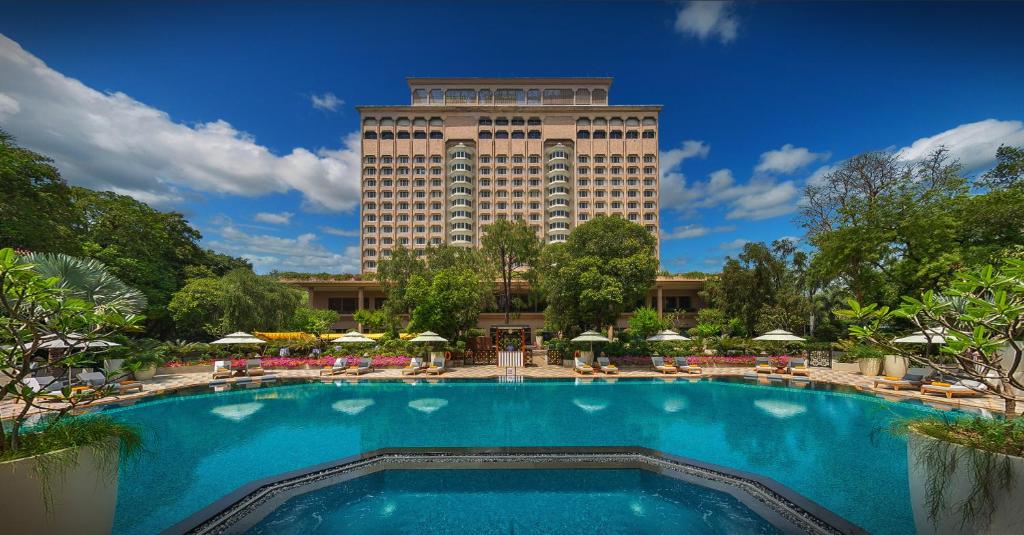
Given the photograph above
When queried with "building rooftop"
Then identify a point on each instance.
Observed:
(604, 81)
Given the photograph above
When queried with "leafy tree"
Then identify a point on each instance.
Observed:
(197, 308)
(449, 301)
(238, 301)
(607, 265)
(315, 321)
(373, 320)
(394, 274)
(88, 279)
(1009, 169)
(513, 248)
(646, 322)
(36, 203)
(760, 288)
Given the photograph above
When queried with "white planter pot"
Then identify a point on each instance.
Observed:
(1008, 516)
(145, 374)
(869, 367)
(83, 500)
(895, 365)
(845, 366)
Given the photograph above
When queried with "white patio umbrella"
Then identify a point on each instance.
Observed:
(239, 338)
(74, 341)
(428, 336)
(937, 336)
(590, 336)
(779, 335)
(354, 337)
(668, 335)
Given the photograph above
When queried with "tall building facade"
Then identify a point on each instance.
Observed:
(469, 151)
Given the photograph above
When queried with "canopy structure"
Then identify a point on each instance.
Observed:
(353, 337)
(779, 335)
(927, 336)
(668, 335)
(428, 336)
(590, 336)
(239, 338)
(74, 341)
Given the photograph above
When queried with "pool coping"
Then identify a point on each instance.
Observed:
(786, 509)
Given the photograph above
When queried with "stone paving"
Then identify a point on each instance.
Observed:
(170, 382)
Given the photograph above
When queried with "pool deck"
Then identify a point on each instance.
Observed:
(170, 382)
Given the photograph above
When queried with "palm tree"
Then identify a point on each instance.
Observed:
(88, 278)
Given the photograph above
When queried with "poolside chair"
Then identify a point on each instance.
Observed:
(365, 365)
(48, 389)
(415, 366)
(605, 366)
(254, 367)
(763, 365)
(126, 387)
(659, 364)
(798, 366)
(437, 364)
(339, 366)
(581, 367)
(913, 379)
(685, 365)
(92, 378)
(964, 387)
(222, 369)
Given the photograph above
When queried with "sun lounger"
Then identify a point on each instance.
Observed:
(365, 366)
(798, 366)
(963, 387)
(92, 378)
(437, 365)
(254, 367)
(908, 381)
(659, 364)
(763, 365)
(339, 366)
(685, 365)
(581, 367)
(125, 387)
(415, 366)
(605, 366)
(222, 369)
(49, 389)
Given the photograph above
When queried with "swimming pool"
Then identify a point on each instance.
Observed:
(830, 446)
(484, 502)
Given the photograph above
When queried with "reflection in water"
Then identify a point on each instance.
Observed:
(590, 404)
(428, 405)
(675, 404)
(352, 406)
(780, 409)
(237, 412)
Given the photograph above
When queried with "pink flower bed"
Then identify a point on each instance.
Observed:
(701, 360)
(292, 363)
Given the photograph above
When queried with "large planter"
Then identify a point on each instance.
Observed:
(82, 501)
(895, 365)
(145, 374)
(869, 367)
(1008, 515)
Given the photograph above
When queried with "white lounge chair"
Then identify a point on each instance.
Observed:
(339, 366)
(92, 378)
(964, 387)
(798, 366)
(605, 366)
(365, 366)
(581, 367)
(254, 367)
(763, 365)
(415, 366)
(222, 369)
(659, 364)
(913, 379)
(684, 365)
(437, 365)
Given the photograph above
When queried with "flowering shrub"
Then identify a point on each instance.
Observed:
(701, 360)
(292, 363)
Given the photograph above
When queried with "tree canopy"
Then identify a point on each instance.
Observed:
(513, 248)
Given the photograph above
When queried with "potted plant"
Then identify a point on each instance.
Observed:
(145, 356)
(867, 357)
(61, 463)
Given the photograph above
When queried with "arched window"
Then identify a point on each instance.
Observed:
(533, 121)
(582, 96)
(600, 96)
(436, 121)
(533, 96)
(369, 135)
(632, 134)
(485, 134)
(583, 121)
(518, 134)
(419, 96)
(486, 97)
(370, 121)
(501, 134)
(648, 134)
(419, 134)
(533, 134)
(583, 134)
(387, 135)
(632, 121)
(600, 134)
(485, 121)
(437, 134)
(403, 134)
(501, 121)
(615, 134)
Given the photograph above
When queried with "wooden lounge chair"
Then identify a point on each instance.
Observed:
(684, 365)
(437, 365)
(415, 366)
(581, 367)
(763, 365)
(963, 387)
(125, 387)
(605, 366)
(659, 364)
(339, 366)
(912, 380)
(798, 366)
(222, 369)
(254, 367)
(365, 365)
(50, 390)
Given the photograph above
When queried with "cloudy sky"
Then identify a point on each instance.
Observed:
(241, 115)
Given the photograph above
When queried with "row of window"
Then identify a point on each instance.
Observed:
(370, 159)
(510, 96)
(504, 121)
(404, 134)
(403, 121)
(614, 134)
(535, 205)
(504, 134)
(504, 158)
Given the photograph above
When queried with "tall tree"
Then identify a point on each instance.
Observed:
(1009, 169)
(239, 301)
(394, 274)
(761, 288)
(88, 278)
(448, 301)
(606, 266)
(513, 248)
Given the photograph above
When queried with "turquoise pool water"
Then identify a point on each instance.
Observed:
(832, 447)
(486, 502)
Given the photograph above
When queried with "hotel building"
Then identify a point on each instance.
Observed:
(468, 151)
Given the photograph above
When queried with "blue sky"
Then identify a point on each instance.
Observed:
(240, 115)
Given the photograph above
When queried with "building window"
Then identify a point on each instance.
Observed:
(387, 135)
(533, 96)
(419, 96)
(518, 134)
(600, 96)
(343, 305)
(369, 135)
(600, 134)
(486, 96)
(501, 134)
(485, 121)
(533, 134)
(403, 134)
(583, 134)
(632, 134)
(460, 96)
(509, 96)
(582, 96)
(437, 96)
(484, 134)
(419, 134)
(615, 134)
(558, 97)
(436, 134)
(648, 134)
(533, 121)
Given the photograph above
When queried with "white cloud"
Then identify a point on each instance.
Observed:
(761, 197)
(327, 102)
(113, 142)
(301, 253)
(282, 218)
(974, 144)
(8, 106)
(345, 232)
(788, 159)
(673, 182)
(693, 231)
(738, 243)
(708, 19)
(817, 178)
